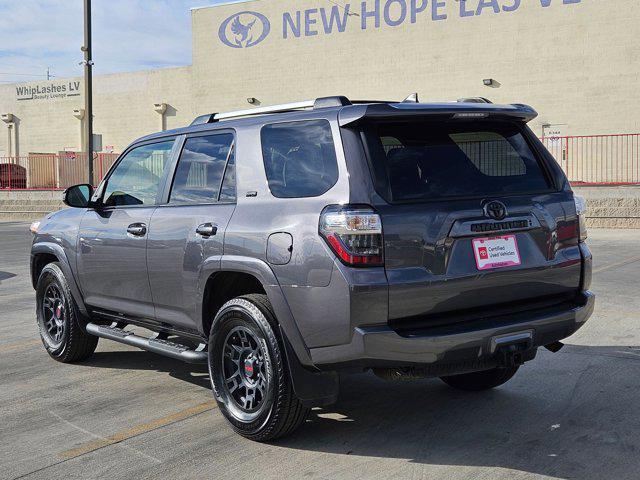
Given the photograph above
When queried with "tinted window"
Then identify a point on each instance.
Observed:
(423, 160)
(493, 154)
(228, 190)
(136, 178)
(299, 158)
(201, 168)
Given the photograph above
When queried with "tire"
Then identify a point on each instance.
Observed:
(58, 318)
(478, 381)
(249, 372)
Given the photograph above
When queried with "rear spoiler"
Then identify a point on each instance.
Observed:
(354, 114)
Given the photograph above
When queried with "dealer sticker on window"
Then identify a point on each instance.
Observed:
(496, 252)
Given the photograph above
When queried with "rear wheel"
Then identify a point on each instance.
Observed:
(57, 313)
(484, 380)
(249, 373)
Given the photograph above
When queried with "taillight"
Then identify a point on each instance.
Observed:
(354, 234)
(581, 210)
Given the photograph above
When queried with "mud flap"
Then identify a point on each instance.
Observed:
(313, 388)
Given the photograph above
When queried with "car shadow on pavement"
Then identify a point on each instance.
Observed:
(6, 276)
(141, 360)
(566, 416)
(574, 414)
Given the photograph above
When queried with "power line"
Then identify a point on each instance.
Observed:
(348, 12)
(48, 75)
(24, 74)
(21, 64)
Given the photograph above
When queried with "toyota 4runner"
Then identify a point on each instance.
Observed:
(284, 245)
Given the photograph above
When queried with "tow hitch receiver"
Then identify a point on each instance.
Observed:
(513, 349)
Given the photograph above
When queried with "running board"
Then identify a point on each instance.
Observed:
(155, 345)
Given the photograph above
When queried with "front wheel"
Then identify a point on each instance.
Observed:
(57, 313)
(249, 373)
(477, 381)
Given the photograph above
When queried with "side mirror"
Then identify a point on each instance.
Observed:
(78, 196)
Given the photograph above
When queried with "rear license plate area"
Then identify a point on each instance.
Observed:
(496, 252)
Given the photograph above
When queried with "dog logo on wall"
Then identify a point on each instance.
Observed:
(244, 29)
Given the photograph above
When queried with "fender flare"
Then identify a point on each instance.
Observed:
(312, 386)
(58, 252)
(263, 273)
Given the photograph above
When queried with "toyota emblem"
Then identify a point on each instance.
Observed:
(495, 209)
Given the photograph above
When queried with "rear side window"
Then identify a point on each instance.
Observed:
(429, 160)
(204, 163)
(299, 158)
(228, 190)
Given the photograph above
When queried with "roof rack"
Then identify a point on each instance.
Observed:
(322, 102)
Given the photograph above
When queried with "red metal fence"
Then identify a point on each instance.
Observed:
(591, 160)
(51, 171)
(598, 159)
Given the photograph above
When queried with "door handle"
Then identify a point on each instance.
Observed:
(207, 229)
(137, 229)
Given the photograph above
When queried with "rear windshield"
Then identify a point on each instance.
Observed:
(428, 160)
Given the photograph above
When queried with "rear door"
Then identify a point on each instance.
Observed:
(188, 228)
(471, 220)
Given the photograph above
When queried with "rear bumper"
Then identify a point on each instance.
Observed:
(454, 348)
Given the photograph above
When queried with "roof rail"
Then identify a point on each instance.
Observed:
(474, 100)
(202, 119)
(375, 102)
(322, 102)
(327, 102)
(285, 107)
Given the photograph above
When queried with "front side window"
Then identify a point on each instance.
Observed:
(136, 178)
(203, 164)
(299, 158)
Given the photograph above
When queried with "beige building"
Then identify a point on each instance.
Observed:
(576, 61)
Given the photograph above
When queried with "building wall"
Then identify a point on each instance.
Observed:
(576, 61)
(123, 109)
(125, 103)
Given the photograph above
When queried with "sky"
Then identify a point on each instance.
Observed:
(128, 35)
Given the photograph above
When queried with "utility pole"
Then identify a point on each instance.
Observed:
(88, 86)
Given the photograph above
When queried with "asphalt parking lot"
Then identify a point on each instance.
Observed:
(131, 414)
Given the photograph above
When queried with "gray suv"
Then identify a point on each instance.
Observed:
(286, 245)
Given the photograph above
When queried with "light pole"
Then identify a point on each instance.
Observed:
(88, 86)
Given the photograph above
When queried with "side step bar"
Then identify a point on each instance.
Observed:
(155, 345)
